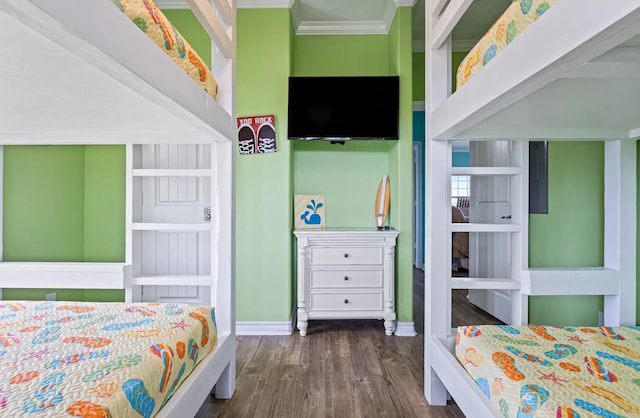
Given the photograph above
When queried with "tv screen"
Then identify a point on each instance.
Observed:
(341, 108)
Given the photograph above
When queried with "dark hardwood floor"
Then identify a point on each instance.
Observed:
(341, 369)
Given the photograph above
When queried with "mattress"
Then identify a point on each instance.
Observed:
(518, 17)
(538, 371)
(98, 359)
(150, 19)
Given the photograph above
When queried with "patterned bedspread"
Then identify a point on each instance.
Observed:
(538, 371)
(148, 17)
(98, 359)
(512, 23)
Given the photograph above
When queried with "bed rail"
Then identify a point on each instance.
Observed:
(214, 23)
(446, 16)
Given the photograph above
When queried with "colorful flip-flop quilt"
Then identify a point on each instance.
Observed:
(558, 372)
(150, 19)
(98, 359)
(515, 20)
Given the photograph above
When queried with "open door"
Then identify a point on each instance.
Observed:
(491, 203)
(178, 252)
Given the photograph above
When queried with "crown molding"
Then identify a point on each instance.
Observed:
(264, 4)
(172, 4)
(360, 27)
(388, 15)
(296, 16)
(405, 3)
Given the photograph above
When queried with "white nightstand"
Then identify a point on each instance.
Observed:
(346, 274)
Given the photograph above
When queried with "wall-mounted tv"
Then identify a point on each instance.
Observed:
(342, 108)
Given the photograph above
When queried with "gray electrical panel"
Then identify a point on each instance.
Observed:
(538, 177)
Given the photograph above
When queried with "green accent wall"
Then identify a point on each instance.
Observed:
(341, 55)
(401, 163)
(264, 278)
(63, 203)
(43, 208)
(418, 83)
(348, 175)
(572, 234)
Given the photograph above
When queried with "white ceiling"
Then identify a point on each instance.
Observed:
(371, 16)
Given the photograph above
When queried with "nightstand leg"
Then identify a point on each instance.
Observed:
(303, 321)
(389, 322)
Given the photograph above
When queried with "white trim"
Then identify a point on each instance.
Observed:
(418, 105)
(264, 328)
(344, 27)
(405, 3)
(264, 4)
(405, 329)
(172, 4)
(389, 14)
(296, 16)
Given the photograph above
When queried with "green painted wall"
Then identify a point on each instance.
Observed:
(418, 79)
(637, 231)
(63, 203)
(264, 278)
(341, 55)
(572, 234)
(401, 163)
(348, 175)
(43, 207)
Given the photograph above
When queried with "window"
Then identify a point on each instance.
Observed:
(459, 188)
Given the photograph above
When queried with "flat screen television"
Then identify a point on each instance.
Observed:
(343, 108)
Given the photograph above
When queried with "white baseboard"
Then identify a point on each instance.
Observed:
(405, 329)
(268, 328)
(264, 328)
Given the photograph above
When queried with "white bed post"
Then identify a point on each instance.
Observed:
(222, 255)
(520, 239)
(437, 321)
(1, 205)
(620, 229)
(128, 225)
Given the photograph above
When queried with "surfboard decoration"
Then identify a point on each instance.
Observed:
(382, 202)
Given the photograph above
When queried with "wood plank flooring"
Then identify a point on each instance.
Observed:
(341, 369)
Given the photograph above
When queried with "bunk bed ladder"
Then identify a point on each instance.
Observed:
(170, 234)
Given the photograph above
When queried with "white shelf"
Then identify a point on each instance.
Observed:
(473, 227)
(148, 172)
(571, 281)
(157, 226)
(65, 275)
(486, 171)
(182, 280)
(481, 283)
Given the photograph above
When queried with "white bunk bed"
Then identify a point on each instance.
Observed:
(573, 74)
(79, 72)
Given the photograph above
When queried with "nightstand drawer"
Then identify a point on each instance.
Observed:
(346, 255)
(346, 301)
(345, 278)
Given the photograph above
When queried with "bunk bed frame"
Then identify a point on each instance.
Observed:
(581, 59)
(79, 72)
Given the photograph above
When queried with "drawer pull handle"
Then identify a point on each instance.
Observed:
(346, 255)
(346, 277)
(346, 301)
